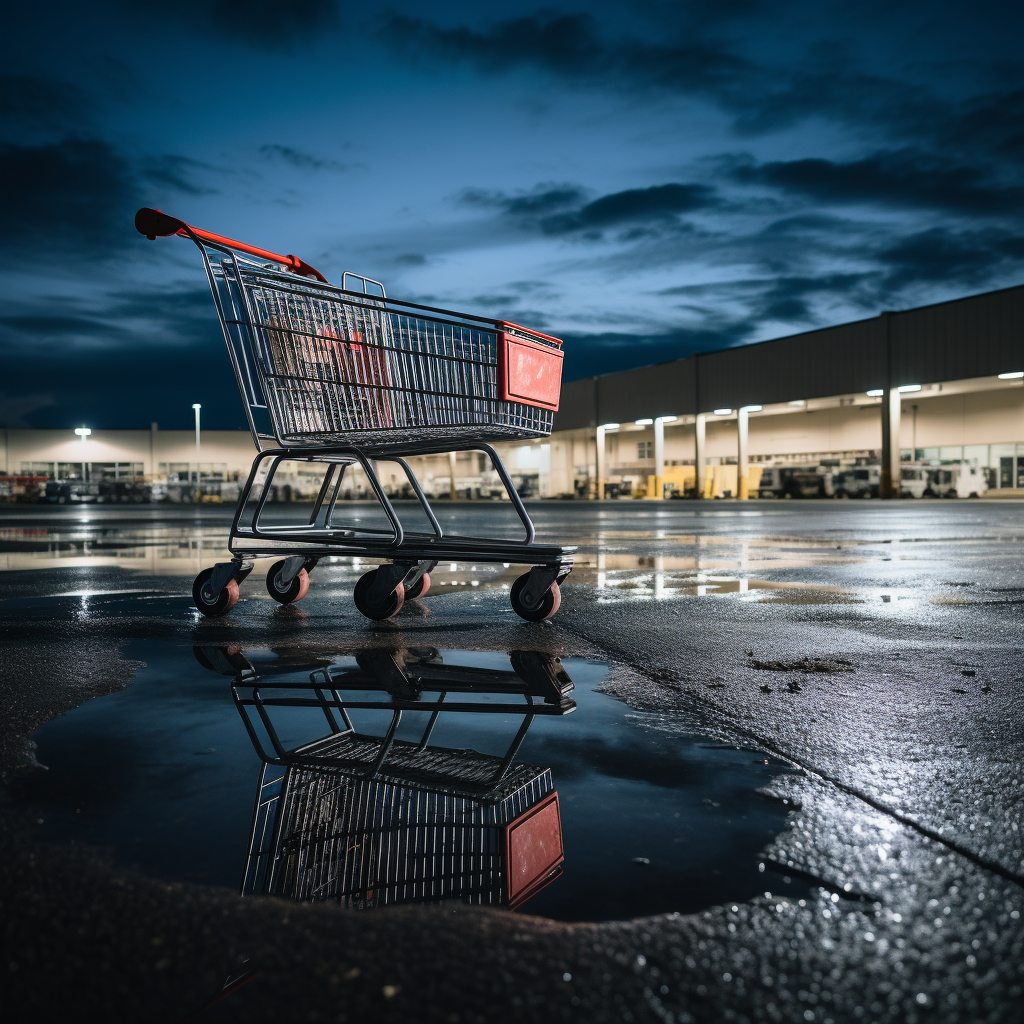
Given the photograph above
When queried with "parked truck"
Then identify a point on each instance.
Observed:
(958, 481)
(795, 482)
(914, 481)
(859, 482)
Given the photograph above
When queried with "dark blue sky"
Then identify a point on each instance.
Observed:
(644, 180)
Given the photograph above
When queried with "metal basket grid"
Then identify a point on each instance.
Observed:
(372, 842)
(337, 367)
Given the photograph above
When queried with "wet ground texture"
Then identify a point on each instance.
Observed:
(827, 695)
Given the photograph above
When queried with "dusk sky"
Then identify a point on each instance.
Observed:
(644, 181)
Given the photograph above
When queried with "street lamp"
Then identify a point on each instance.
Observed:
(83, 433)
(196, 407)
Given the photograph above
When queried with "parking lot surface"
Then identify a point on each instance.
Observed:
(793, 779)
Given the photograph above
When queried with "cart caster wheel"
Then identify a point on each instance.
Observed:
(549, 603)
(204, 600)
(391, 606)
(419, 588)
(295, 590)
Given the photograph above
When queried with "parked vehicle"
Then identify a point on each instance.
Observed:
(124, 491)
(22, 487)
(795, 482)
(71, 492)
(914, 481)
(958, 481)
(859, 482)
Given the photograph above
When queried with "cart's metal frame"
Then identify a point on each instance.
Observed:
(414, 553)
(411, 554)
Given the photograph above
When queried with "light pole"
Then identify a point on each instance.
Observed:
(196, 407)
(83, 433)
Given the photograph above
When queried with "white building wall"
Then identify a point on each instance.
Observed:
(983, 417)
(150, 447)
(943, 420)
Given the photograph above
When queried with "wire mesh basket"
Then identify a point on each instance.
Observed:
(335, 366)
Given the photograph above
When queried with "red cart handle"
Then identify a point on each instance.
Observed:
(153, 222)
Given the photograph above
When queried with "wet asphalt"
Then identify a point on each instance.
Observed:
(874, 647)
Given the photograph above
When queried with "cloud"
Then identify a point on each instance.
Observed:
(60, 329)
(788, 300)
(903, 178)
(297, 158)
(542, 199)
(562, 209)
(939, 255)
(566, 43)
(990, 124)
(571, 46)
(264, 23)
(642, 204)
(14, 408)
(29, 105)
(696, 51)
(682, 57)
(271, 23)
(170, 171)
(73, 197)
(120, 359)
(140, 386)
(590, 354)
(165, 316)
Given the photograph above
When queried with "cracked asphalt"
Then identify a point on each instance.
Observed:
(876, 647)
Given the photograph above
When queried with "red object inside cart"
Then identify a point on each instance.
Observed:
(533, 849)
(529, 372)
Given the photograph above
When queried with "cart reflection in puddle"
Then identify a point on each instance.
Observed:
(367, 819)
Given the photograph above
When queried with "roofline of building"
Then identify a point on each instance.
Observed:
(799, 334)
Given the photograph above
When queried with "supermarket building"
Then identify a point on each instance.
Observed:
(936, 385)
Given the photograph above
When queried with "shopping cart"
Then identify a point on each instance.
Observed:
(345, 376)
(367, 819)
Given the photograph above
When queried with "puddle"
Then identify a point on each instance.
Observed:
(150, 548)
(622, 565)
(631, 584)
(184, 550)
(525, 787)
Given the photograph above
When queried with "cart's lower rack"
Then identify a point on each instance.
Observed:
(380, 593)
(269, 541)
